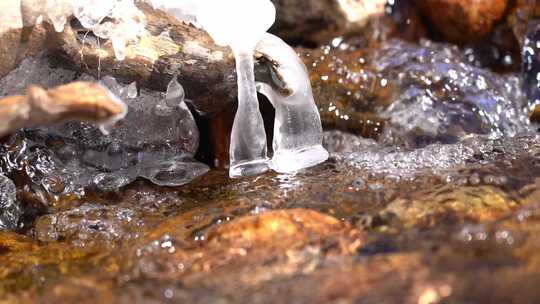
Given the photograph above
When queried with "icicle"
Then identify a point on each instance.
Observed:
(297, 128)
(57, 12)
(240, 24)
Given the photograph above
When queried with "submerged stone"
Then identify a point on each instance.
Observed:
(416, 94)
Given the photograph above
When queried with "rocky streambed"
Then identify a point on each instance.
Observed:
(431, 193)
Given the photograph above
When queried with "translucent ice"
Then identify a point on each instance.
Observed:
(297, 127)
(119, 20)
(90, 13)
(57, 12)
(34, 71)
(240, 24)
(156, 140)
(53, 11)
(10, 211)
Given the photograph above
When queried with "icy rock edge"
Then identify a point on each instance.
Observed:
(119, 21)
(156, 140)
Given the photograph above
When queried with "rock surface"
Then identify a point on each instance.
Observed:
(415, 94)
(464, 21)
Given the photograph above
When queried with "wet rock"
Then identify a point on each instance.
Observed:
(414, 94)
(408, 218)
(464, 21)
(318, 21)
(256, 235)
(488, 203)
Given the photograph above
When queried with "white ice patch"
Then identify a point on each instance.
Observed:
(120, 21)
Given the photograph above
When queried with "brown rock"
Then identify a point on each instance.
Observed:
(320, 21)
(279, 228)
(206, 70)
(520, 15)
(317, 22)
(488, 203)
(463, 21)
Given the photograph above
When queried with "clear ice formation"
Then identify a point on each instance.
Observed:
(156, 140)
(240, 24)
(10, 210)
(119, 21)
(297, 128)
